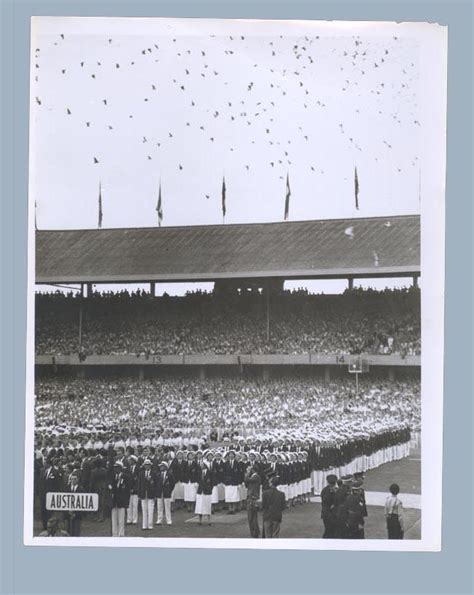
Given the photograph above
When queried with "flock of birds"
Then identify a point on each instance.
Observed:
(283, 85)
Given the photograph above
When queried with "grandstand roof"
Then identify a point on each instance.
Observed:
(366, 247)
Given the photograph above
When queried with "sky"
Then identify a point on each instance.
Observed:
(132, 104)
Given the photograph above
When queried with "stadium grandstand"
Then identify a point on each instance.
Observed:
(249, 364)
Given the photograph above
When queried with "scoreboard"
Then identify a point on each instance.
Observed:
(358, 365)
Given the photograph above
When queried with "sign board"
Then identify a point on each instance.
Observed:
(358, 365)
(69, 501)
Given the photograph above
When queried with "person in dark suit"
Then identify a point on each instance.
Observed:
(359, 476)
(232, 476)
(133, 472)
(253, 483)
(50, 481)
(72, 518)
(328, 507)
(119, 487)
(177, 468)
(341, 496)
(273, 505)
(98, 485)
(354, 507)
(204, 494)
(147, 492)
(191, 477)
(165, 486)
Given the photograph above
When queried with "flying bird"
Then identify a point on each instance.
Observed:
(68, 111)
(96, 160)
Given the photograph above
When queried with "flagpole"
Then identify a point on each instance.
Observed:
(223, 198)
(419, 185)
(100, 205)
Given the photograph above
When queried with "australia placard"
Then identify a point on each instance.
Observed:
(72, 502)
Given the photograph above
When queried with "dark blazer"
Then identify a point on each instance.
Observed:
(73, 514)
(191, 472)
(98, 479)
(166, 487)
(273, 504)
(120, 490)
(50, 480)
(217, 472)
(147, 487)
(328, 501)
(178, 469)
(232, 473)
(134, 473)
(205, 483)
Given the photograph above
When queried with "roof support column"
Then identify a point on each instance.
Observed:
(350, 283)
(152, 288)
(268, 312)
(415, 280)
(81, 301)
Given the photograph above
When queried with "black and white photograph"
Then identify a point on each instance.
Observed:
(236, 284)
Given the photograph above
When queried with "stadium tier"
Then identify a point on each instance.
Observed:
(120, 324)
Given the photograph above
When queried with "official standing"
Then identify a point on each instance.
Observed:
(119, 487)
(204, 494)
(232, 475)
(72, 518)
(394, 514)
(164, 489)
(328, 507)
(273, 505)
(50, 481)
(147, 491)
(355, 513)
(253, 484)
(132, 510)
(98, 485)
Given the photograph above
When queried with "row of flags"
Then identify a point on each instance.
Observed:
(159, 204)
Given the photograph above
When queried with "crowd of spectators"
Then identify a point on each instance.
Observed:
(358, 321)
(187, 412)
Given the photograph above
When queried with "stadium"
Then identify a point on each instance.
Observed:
(297, 385)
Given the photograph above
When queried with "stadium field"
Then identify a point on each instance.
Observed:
(302, 521)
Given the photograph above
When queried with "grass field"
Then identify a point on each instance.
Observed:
(302, 521)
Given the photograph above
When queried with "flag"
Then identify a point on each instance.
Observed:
(159, 208)
(223, 198)
(287, 198)
(100, 205)
(356, 188)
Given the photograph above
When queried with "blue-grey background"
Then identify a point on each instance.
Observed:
(124, 570)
